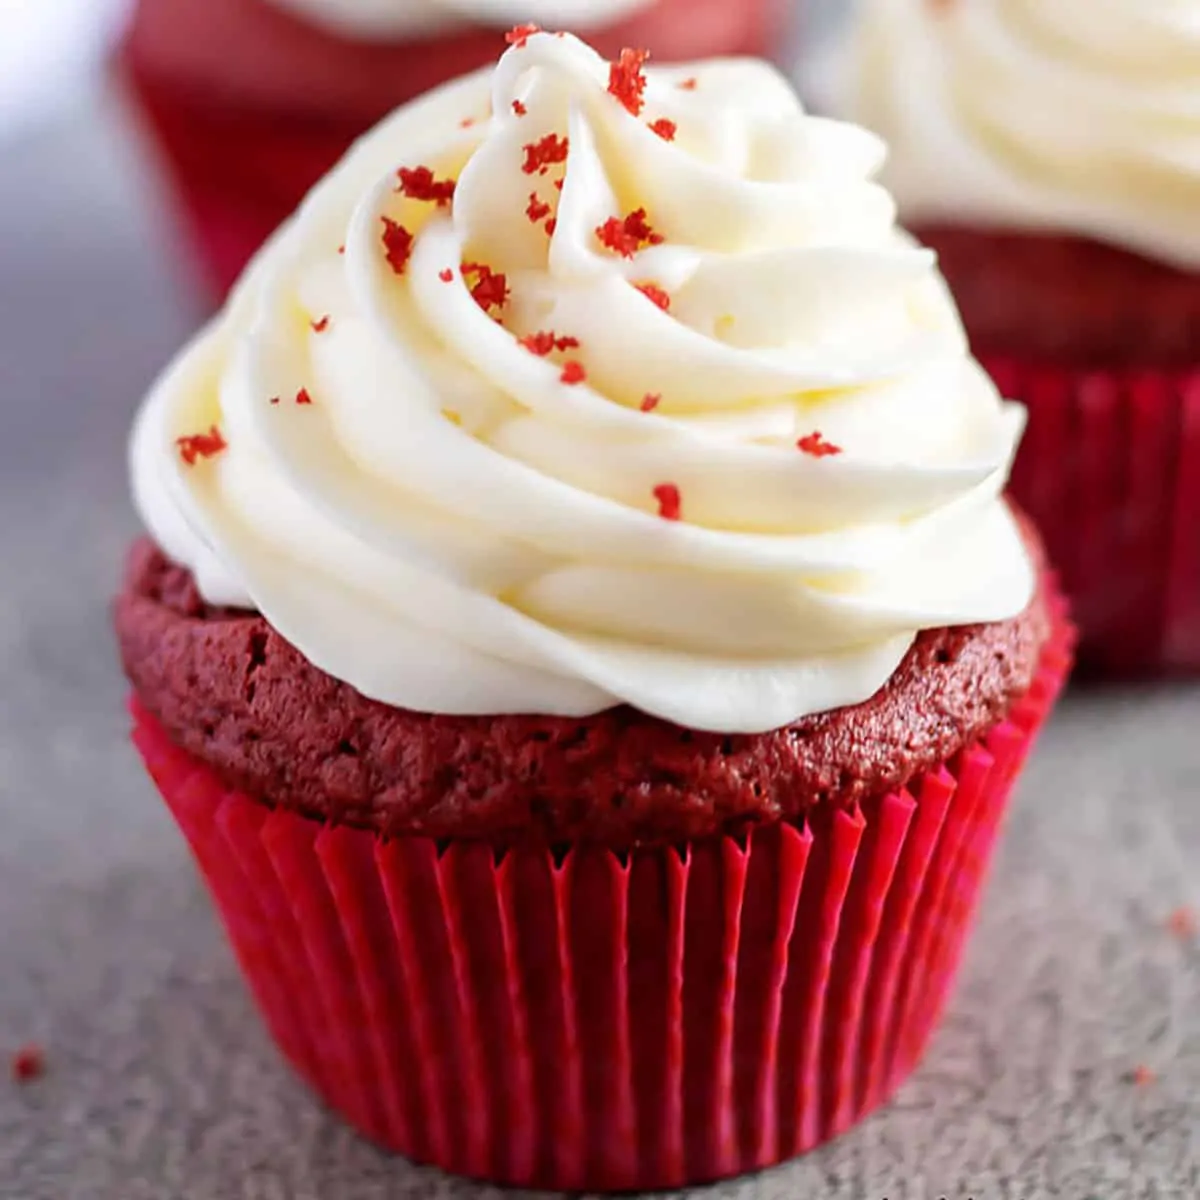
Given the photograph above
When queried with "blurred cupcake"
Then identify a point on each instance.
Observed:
(584, 639)
(1046, 149)
(252, 101)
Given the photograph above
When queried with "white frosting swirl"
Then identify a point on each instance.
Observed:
(450, 527)
(1071, 115)
(389, 20)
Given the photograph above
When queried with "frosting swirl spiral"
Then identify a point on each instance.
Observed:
(1055, 114)
(580, 386)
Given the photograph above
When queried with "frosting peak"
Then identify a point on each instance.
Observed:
(577, 386)
(1068, 115)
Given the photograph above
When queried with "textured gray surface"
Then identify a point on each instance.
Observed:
(161, 1083)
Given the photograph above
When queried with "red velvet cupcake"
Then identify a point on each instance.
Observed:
(252, 101)
(584, 640)
(1047, 158)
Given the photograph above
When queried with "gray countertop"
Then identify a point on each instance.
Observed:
(161, 1083)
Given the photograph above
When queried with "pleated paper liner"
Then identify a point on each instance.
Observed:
(234, 174)
(604, 1021)
(1110, 472)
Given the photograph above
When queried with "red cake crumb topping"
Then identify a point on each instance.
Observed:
(519, 108)
(490, 289)
(655, 294)
(627, 235)
(816, 446)
(626, 80)
(200, 445)
(419, 183)
(519, 35)
(665, 128)
(670, 505)
(650, 401)
(321, 324)
(543, 154)
(543, 342)
(537, 209)
(446, 275)
(573, 372)
(1184, 922)
(397, 244)
(28, 1064)
(302, 396)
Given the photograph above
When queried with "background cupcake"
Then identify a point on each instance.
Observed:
(1046, 150)
(584, 640)
(252, 101)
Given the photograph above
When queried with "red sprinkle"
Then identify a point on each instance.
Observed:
(665, 128)
(551, 226)
(558, 184)
(669, 504)
(520, 34)
(490, 289)
(201, 445)
(321, 325)
(626, 80)
(542, 342)
(445, 275)
(519, 108)
(655, 294)
(536, 209)
(688, 84)
(28, 1064)
(466, 123)
(1184, 922)
(342, 249)
(418, 183)
(1142, 1075)
(274, 399)
(814, 444)
(573, 372)
(650, 401)
(626, 236)
(398, 243)
(302, 396)
(540, 156)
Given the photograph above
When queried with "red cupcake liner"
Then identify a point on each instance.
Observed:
(1110, 472)
(592, 1020)
(234, 174)
(239, 164)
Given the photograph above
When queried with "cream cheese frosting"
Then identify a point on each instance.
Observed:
(389, 20)
(1078, 116)
(659, 407)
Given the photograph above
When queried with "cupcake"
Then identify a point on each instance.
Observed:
(1046, 151)
(582, 633)
(252, 101)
